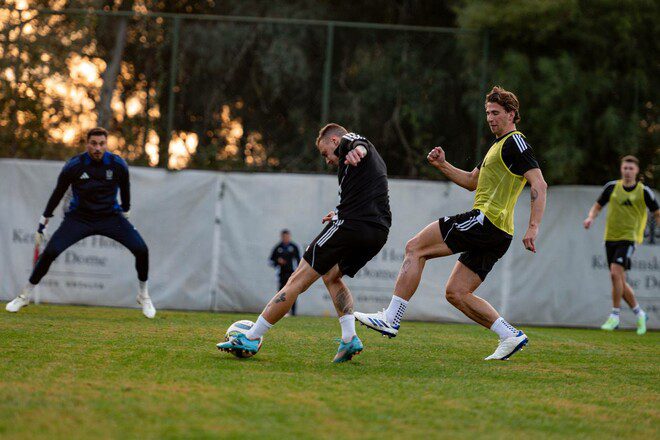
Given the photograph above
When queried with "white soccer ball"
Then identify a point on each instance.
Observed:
(241, 326)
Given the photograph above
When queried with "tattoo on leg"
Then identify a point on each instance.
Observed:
(344, 301)
(405, 266)
(280, 298)
(534, 194)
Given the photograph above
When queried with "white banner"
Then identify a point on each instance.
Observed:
(210, 236)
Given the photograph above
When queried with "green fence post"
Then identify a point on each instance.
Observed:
(165, 155)
(482, 89)
(327, 73)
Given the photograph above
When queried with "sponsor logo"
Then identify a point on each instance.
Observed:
(626, 203)
(84, 176)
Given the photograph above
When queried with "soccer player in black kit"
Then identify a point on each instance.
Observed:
(95, 178)
(357, 230)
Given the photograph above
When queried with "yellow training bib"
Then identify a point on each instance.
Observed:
(626, 215)
(498, 188)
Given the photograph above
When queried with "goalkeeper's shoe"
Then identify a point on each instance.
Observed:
(612, 323)
(508, 347)
(18, 303)
(239, 345)
(641, 323)
(378, 321)
(347, 350)
(148, 308)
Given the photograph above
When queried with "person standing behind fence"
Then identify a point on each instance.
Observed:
(285, 258)
(624, 227)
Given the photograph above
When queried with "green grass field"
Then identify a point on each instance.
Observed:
(83, 372)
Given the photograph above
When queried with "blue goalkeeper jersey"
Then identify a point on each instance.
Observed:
(94, 186)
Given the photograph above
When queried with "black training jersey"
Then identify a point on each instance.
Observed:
(363, 190)
(517, 154)
(94, 186)
(289, 253)
(649, 196)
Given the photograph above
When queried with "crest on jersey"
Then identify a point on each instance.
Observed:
(108, 174)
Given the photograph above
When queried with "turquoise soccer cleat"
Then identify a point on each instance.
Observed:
(240, 346)
(347, 350)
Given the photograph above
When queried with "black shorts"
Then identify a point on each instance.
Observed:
(348, 243)
(479, 242)
(619, 252)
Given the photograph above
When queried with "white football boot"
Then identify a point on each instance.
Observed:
(508, 347)
(18, 303)
(148, 308)
(378, 321)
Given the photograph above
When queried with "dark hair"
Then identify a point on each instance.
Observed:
(285, 231)
(330, 130)
(506, 99)
(97, 131)
(630, 158)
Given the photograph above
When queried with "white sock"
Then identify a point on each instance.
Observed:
(616, 311)
(638, 311)
(27, 290)
(347, 323)
(143, 289)
(503, 329)
(396, 309)
(259, 328)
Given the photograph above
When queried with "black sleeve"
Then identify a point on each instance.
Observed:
(350, 141)
(518, 155)
(273, 257)
(125, 188)
(607, 192)
(63, 182)
(649, 198)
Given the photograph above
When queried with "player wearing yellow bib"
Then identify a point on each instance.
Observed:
(482, 235)
(624, 227)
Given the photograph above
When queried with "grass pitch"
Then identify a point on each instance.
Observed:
(83, 372)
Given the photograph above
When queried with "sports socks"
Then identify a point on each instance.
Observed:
(143, 289)
(638, 311)
(503, 329)
(347, 323)
(396, 309)
(259, 328)
(616, 311)
(28, 289)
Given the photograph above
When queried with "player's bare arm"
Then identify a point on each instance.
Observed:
(538, 193)
(465, 179)
(593, 213)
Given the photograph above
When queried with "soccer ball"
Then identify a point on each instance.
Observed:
(241, 326)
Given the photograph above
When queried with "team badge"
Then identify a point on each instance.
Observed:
(108, 174)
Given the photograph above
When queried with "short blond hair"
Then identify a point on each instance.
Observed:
(630, 158)
(330, 130)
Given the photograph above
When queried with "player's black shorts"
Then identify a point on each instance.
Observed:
(479, 242)
(619, 252)
(348, 243)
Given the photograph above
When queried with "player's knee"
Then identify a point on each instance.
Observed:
(413, 247)
(330, 278)
(454, 294)
(616, 272)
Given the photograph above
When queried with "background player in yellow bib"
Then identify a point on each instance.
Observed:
(624, 227)
(482, 235)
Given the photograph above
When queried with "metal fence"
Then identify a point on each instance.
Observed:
(230, 92)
